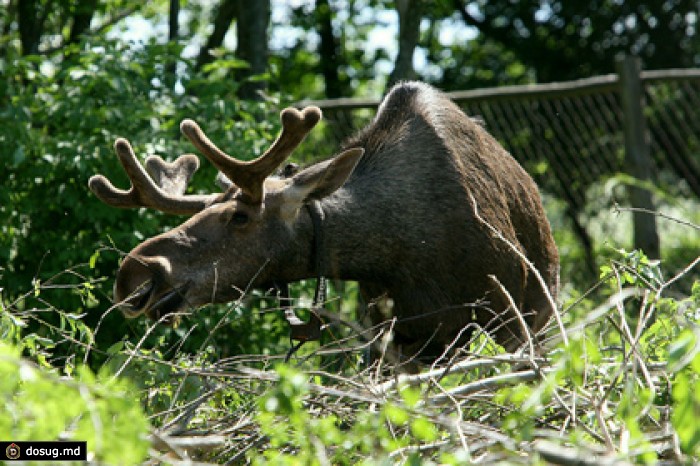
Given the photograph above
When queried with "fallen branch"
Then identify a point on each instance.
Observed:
(184, 447)
(462, 366)
(491, 383)
(558, 454)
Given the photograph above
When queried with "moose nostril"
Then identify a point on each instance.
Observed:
(137, 280)
(134, 303)
(140, 296)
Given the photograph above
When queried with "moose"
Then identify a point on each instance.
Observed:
(443, 230)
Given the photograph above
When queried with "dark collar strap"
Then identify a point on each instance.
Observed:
(317, 216)
(299, 330)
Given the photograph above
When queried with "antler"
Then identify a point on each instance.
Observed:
(250, 176)
(162, 190)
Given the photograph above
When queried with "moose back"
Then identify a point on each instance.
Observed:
(422, 208)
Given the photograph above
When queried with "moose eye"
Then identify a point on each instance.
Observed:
(290, 170)
(239, 218)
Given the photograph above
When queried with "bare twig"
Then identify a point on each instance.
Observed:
(527, 334)
(565, 456)
(658, 214)
(531, 266)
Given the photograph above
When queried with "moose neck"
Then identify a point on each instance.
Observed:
(348, 245)
(340, 246)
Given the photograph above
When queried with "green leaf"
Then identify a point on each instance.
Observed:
(115, 348)
(396, 414)
(686, 406)
(679, 352)
(424, 430)
(93, 259)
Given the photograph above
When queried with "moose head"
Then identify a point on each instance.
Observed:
(438, 224)
(253, 233)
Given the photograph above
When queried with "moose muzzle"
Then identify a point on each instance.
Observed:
(142, 287)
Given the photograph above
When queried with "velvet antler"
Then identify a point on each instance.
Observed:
(249, 176)
(162, 190)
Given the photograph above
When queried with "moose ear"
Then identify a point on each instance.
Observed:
(321, 179)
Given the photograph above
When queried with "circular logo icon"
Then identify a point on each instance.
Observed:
(12, 451)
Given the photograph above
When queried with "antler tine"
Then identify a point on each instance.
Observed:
(164, 194)
(250, 175)
(172, 177)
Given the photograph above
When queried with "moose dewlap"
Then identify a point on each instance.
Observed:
(423, 208)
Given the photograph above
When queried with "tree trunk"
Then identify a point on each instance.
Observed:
(222, 21)
(253, 20)
(84, 11)
(329, 51)
(410, 15)
(30, 26)
(173, 23)
(173, 37)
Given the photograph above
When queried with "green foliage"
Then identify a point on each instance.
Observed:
(632, 268)
(684, 362)
(612, 375)
(61, 119)
(42, 402)
(62, 122)
(564, 40)
(298, 435)
(38, 404)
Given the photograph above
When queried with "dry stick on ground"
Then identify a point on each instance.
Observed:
(558, 454)
(185, 412)
(183, 447)
(598, 312)
(133, 352)
(335, 393)
(385, 344)
(457, 424)
(491, 383)
(417, 449)
(370, 336)
(352, 395)
(450, 347)
(602, 423)
(462, 366)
